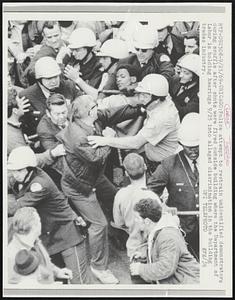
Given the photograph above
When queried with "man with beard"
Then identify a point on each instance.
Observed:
(47, 73)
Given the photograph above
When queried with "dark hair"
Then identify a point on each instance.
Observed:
(11, 103)
(149, 208)
(50, 25)
(132, 70)
(55, 99)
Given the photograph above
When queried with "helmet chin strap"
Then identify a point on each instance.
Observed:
(83, 60)
(151, 101)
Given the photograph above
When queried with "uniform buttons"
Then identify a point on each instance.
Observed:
(180, 190)
(196, 185)
(197, 205)
(196, 195)
(48, 232)
(94, 189)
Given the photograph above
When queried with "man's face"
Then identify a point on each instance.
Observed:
(79, 53)
(59, 114)
(190, 45)
(162, 34)
(52, 36)
(123, 79)
(19, 175)
(105, 61)
(191, 152)
(185, 76)
(144, 98)
(144, 55)
(51, 83)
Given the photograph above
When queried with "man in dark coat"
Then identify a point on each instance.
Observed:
(60, 231)
(48, 81)
(179, 174)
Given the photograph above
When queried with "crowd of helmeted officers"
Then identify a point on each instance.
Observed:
(103, 147)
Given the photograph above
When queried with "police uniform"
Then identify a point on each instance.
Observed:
(185, 97)
(37, 100)
(59, 234)
(176, 175)
(177, 44)
(159, 63)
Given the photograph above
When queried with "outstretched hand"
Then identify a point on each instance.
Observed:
(97, 141)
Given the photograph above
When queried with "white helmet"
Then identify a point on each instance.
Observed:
(82, 37)
(160, 24)
(21, 157)
(189, 130)
(145, 38)
(191, 62)
(154, 84)
(114, 48)
(46, 67)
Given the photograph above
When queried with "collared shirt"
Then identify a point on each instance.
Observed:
(45, 91)
(190, 161)
(161, 130)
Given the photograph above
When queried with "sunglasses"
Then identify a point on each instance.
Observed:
(142, 50)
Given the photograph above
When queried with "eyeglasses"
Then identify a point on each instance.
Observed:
(142, 50)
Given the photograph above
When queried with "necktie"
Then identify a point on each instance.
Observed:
(195, 171)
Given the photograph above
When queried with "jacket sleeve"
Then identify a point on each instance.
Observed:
(166, 69)
(33, 198)
(167, 261)
(116, 115)
(91, 155)
(47, 140)
(44, 159)
(159, 179)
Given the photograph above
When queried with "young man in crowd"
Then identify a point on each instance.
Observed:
(169, 261)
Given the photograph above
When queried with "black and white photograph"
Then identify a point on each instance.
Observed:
(103, 135)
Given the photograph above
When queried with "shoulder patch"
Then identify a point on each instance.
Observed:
(35, 187)
(164, 57)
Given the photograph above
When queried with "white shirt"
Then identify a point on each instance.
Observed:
(124, 214)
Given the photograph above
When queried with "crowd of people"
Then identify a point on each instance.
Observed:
(86, 99)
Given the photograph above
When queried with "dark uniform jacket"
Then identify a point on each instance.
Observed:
(59, 231)
(90, 71)
(177, 50)
(83, 165)
(158, 64)
(186, 101)
(37, 101)
(176, 175)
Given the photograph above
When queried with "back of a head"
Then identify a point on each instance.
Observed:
(149, 208)
(134, 166)
(50, 25)
(24, 220)
(189, 131)
(81, 106)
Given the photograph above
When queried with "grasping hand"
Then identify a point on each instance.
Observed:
(58, 151)
(109, 132)
(71, 73)
(97, 141)
(134, 268)
(23, 105)
(64, 273)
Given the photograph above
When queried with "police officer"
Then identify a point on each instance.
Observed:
(149, 61)
(180, 175)
(158, 137)
(170, 44)
(185, 87)
(60, 230)
(47, 73)
(82, 58)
